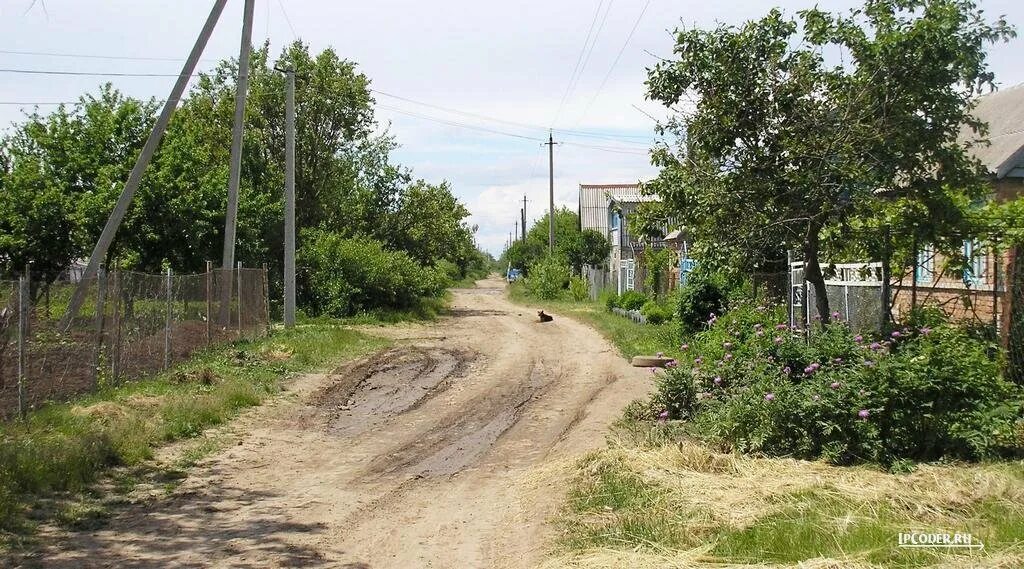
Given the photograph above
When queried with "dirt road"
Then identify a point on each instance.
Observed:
(448, 450)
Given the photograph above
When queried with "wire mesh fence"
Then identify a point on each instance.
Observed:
(130, 325)
(989, 299)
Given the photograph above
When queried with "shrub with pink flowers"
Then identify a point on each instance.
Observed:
(931, 391)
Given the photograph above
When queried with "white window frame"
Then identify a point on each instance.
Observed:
(925, 267)
(976, 262)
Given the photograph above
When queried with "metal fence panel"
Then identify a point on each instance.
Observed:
(131, 325)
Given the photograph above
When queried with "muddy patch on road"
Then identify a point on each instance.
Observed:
(463, 438)
(366, 394)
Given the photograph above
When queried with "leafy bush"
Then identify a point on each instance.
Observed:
(579, 289)
(655, 313)
(348, 276)
(657, 264)
(702, 295)
(751, 384)
(609, 299)
(450, 270)
(548, 278)
(632, 300)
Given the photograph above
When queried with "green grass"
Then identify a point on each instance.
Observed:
(653, 501)
(64, 447)
(630, 338)
(616, 508)
(815, 524)
(623, 500)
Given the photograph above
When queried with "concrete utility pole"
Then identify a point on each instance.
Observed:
(551, 193)
(99, 252)
(517, 230)
(289, 203)
(523, 215)
(235, 171)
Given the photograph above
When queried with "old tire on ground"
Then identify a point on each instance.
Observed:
(650, 361)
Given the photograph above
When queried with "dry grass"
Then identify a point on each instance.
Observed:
(683, 505)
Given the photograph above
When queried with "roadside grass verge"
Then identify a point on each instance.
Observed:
(657, 498)
(62, 448)
(427, 309)
(639, 504)
(630, 338)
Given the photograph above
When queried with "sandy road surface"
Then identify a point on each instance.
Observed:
(446, 451)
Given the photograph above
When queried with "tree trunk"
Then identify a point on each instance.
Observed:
(812, 272)
(1015, 329)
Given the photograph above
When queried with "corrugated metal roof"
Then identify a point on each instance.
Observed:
(595, 199)
(1003, 110)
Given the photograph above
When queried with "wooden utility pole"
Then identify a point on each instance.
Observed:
(235, 168)
(551, 192)
(99, 252)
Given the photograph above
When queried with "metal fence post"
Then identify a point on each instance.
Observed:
(115, 342)
(101, 299)
(995, 287)
(846, 300)
(789, 286)
(209, 303)
(239, 270)
(266, 300)
(886, 315)
(23, 307)
(167, 322)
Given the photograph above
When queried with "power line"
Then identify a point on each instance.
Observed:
(615, 63)
(91, 56)
(89, 73)
(579, 59)
(413, 114)
(564, 132)
(456, 124)
(593, 44)
(288, 20)
(638, 140)
(618, 150)
(40, 104)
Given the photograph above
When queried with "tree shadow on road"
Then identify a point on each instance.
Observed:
(216, 524)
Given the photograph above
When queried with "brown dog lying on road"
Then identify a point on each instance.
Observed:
(544, 317)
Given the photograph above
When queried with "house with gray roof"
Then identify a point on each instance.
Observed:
(607, 208)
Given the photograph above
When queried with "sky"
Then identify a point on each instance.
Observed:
(480, 82)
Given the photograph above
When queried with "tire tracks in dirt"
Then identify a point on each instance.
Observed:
(445, 451)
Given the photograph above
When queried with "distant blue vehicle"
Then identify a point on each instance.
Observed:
(513, 275)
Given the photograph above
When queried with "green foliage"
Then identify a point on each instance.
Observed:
(60, 175)
(632, 300)
(64, 447)
(703, 296)
(579, 289)
(350, 276)
(751, 384)
(548, 278)
(579, 249)
(609, 299)
(655, 313)
(750, 170)
(586, 248)
(657, 264)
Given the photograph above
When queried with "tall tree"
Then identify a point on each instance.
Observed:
(781, 147)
